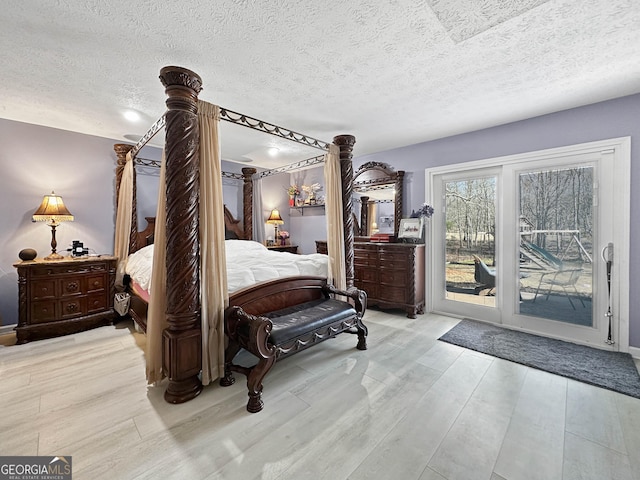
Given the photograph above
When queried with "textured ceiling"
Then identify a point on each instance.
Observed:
(391, 72)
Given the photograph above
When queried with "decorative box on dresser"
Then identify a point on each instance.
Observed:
(65, 296)
(392, 274)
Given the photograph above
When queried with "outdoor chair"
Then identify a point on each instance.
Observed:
(485, 276)
(561, 278)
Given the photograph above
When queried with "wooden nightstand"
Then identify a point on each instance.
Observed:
(284, 248)
(66, 296)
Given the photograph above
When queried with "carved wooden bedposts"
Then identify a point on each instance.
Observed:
(364, 216)
(398, 202)
(346, 143)
(182, 346)
(121, 150)
(247, 201)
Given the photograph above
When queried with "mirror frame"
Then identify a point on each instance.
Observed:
(373, 175)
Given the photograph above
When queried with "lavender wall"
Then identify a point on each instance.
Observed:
(611, 119)
(36, 160)
(80, 168)
(309, 224)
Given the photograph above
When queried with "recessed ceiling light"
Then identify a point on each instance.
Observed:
(131, 115)
(273, 151)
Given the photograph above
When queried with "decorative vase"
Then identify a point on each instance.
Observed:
(27, 254)
(283, 241)
(292, 201)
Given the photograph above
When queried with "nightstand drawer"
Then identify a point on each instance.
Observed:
(97, 303)
(72, 286)
(42, 289)
(96, 283)
(73, 307)
(43, 311)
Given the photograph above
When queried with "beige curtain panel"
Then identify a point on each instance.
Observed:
(156, 314)
(335, 221)
(123, 218)
(214, 295)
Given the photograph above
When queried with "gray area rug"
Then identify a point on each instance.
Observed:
(611, 370)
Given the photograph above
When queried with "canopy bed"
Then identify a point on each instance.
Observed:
(191, 341)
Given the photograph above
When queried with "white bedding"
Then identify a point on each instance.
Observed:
(248, 263)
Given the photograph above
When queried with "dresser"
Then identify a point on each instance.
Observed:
(392, 274)
(62, 297)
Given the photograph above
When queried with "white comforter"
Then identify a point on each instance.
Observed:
(248, 263)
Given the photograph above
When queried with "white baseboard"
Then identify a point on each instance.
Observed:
(635, 352)
(5, 329)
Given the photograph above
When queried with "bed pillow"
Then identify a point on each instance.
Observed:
(138, 266)
(239, 247)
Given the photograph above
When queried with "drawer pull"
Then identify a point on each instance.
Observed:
(72, 307)
(73, 287)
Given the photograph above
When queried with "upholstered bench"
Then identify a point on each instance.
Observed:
(277, 334)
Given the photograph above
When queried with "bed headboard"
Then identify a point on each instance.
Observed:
(232, 227)
(145, 237)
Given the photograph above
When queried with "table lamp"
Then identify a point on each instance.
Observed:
(275, 219)
(52, 211)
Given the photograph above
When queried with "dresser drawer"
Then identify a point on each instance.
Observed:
(96, 283)
(97, 303)
(365, 257)
(398, 278)
(73, 307)
(366, 274)
(58, 270)
(72, 286)
(395, 294)
(370, 287)
(43, 311)
(42, 289)
(394, 257)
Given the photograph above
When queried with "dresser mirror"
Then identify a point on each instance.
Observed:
(377, 199)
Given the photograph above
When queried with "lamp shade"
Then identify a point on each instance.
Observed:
(52, 209)
(275, 217)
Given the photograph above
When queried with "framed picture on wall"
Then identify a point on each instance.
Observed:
(411, 229)
(386, 221)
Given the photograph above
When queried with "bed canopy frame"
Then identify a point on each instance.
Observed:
(182, 346)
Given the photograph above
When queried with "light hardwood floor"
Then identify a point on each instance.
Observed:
(410, 407)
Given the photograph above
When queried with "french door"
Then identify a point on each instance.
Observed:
(523, 241)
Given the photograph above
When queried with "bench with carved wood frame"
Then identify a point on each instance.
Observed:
(302, 312)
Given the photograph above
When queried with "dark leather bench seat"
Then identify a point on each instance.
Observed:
(296, 321)
(289, 329)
